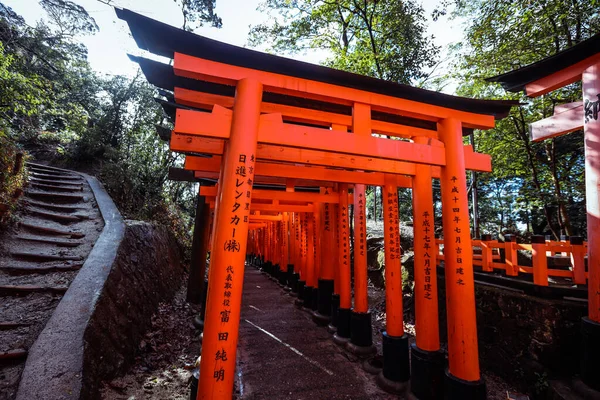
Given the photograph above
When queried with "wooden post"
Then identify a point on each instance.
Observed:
(342, 334)
(463, 379)
(578, 260)
(396, 368)
(539, 260)
(427, 362)
(487, 256)
(361, 338)
(591, 131)
(335, 297)
(217, 366)
(510, 255)
(328, 254)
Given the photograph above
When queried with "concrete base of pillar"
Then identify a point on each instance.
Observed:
(590, 353)
(427, 374)
(390, 386)
(361, 336)
(395, 374)
(335, 305)
(319, 319)
(342, 335)
(458, 389)
(373, 365)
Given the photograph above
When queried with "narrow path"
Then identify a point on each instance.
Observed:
(282, 354)
(59, 224)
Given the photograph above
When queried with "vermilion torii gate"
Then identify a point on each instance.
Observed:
(270, 118)
(578, 63)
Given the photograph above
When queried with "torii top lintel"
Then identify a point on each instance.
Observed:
(216, 62)
(553, 72)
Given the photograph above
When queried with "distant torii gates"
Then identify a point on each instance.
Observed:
(578, 63)
(284, 114)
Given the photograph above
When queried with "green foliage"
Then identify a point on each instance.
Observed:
(198, 12)
(12, 174)
(384, 39)
(52, 102)
(538, 186)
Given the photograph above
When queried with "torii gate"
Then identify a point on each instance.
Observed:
(292, 112)
(578, 63)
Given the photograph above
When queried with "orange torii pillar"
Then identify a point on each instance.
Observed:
(289, 250)
(396, 369)
(312, 266)
(217, 365)
(463, 380)
(426, 361)
(303, 258)
(297, 251)
(328, 253)
(342, 335)
(361, 337)
(335, 297)
(590, 327)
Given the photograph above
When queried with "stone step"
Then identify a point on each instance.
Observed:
(47, 168)
(52, 231)
(56, 188)
(61, 218)
(43, 257)
(6, 326)
(16, 290)
(57, 242)
(53, 177)
(56, 197)
(54, 207)
(40, 269)
(11, 355)
(74, 184)
(53, 174)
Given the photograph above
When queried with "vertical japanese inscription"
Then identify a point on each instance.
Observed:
(428, 236)
(361, 221)
(394, 239)
(457, 250)
(244, 172)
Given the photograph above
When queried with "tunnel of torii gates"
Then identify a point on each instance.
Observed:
(245, 118)
(577, 63)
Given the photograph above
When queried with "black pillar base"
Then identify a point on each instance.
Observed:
(335, 305)
(300, 300)
(323, 313)
(361, 336)
(310, 294)
(427, 373)
(457, 389)
(395, 375)
(342, 336)
(294, 284)
(314, 301)
(289, 276)
(590, 353)
(282, 276)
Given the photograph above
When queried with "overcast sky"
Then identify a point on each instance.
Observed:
(108, 48)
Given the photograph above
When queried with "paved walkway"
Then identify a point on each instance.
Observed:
(283, 354)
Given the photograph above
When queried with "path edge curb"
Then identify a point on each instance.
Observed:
(54, 366)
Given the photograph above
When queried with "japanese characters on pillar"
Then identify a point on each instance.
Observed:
(244, 173)
(456, 251)
(463, 353)
(362, 240)
(344, 250)
(428, 236)
(217, 365)
(393, 218)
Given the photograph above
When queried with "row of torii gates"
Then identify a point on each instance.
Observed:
(254, 123)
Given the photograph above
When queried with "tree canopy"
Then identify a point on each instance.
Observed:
(384, 39)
